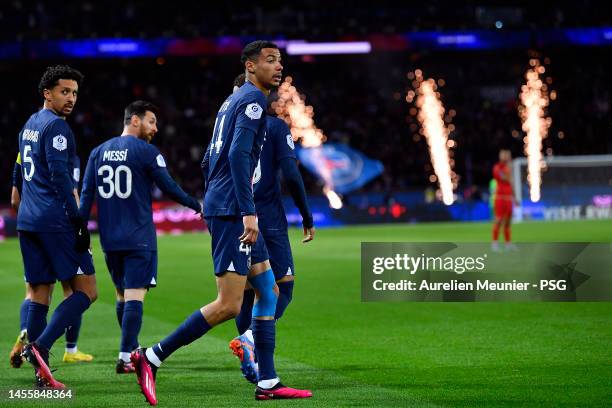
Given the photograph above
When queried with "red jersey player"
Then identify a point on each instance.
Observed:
(503, 199)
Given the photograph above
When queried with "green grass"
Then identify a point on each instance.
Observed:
(350, 353)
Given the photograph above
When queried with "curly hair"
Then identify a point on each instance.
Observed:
(240, 80)
(53, 74)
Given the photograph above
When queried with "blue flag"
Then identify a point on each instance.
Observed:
(342, 168)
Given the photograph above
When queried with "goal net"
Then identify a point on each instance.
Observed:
(573, 187)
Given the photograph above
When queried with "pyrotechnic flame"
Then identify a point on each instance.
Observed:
(431, 117)
(532, 110)
(334, 199)
(291, 107)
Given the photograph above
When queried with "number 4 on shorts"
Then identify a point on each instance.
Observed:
(245, 248)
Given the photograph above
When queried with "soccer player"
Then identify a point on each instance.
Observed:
(120, 173)
(492, 189)
(54, 240)
(504, 199)
(277, 154)
(238, 249)
(72, 354)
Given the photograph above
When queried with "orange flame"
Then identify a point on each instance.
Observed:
(334, 199)
(291, 107)
(431, 117)
(534, 100)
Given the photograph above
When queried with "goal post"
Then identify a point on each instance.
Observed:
(573, 187)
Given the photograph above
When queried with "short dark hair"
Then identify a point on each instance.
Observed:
(240, 80)
(138, 108)
(252, 50)
(53, 74)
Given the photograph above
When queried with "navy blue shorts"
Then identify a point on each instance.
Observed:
(50, 256)
(228, 253)
(132, 269)
(281, 258)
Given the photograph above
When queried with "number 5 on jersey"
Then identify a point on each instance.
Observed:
(27, 158)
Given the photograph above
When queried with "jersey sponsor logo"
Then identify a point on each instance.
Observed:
(290, 142)
(253, 110)
(60, 142)
(160, 161)
(31, 135)
(115, 155)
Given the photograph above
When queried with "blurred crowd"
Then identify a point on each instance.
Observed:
(36, 19)
(359, 100)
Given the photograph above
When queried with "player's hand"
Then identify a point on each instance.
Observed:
(82, 238)
(251, 230)
(309, 234)
(197, 207)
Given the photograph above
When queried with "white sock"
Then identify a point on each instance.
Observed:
(125, 357)
(249, 335)
(152, 357)
(267, 384)
(71, 350)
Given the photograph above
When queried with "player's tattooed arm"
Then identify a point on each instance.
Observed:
(17, 184)
(15, 198)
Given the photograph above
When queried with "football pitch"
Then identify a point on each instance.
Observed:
(349, 353)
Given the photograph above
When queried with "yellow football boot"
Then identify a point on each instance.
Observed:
(77, 357)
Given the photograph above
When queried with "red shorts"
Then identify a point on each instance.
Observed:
(503, 208)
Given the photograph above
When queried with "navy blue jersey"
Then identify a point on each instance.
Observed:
(18, 178)
(120, 173)
(47, 150)
(266, 181)
(76, 171)
(233, 152)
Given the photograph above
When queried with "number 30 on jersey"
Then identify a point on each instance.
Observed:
(111, 181)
